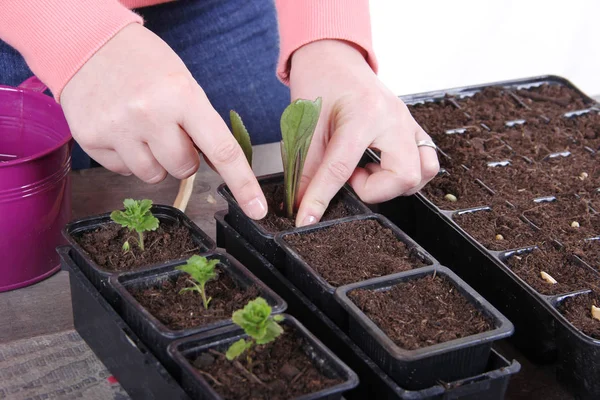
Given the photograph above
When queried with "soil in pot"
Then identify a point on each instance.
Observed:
(455, 189)
(577, 173)
(568, 219)
(590, 253)
(280, 370)
(354, 251)
(578, 310)
(436, 118)
(421, 312)
(474, 146)
(552, 100)
(105, 246)
(493, 106)
(537, 140)
(183, 311)
(584, 128)
(276, 221)
(499, 228)
(559, 264)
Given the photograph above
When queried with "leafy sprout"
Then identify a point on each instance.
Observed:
(298, 123)
(241, 135)
(258, 323)
(136, 217)
(201, 270)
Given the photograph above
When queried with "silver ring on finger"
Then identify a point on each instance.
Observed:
(426, 143)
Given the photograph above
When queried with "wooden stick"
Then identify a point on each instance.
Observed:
(186, 188)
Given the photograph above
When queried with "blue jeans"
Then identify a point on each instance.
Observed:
(230, 47)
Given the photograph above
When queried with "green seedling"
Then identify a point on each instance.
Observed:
(136, 217)
(241, 135)
(258, 323)
(201, 270)
(298, 123)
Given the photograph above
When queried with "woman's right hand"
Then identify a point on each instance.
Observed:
(135, 108)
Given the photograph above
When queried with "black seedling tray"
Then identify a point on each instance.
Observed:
(99, 276)
(374, 383)
(263, 240)
(153, 333)
(421, 368)
(185, 350)
(313, 285)
(537, 322)
(113, 342)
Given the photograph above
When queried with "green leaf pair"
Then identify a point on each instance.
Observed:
(136, 217)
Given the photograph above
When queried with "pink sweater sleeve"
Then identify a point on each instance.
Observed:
(56, 37)
(305, 21)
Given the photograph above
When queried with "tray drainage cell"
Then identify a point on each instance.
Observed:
(551, 271)
(577, 309)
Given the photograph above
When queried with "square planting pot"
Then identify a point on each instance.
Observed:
(313, 285)
(197, 386)
(423, 367)
(112, 341)
(155, 334)
(490, 385)
(98, 275)
(264, 240)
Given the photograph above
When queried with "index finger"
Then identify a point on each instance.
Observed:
(210, 133)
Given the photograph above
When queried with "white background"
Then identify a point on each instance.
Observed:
(428, 45)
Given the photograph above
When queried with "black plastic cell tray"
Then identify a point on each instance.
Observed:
(154, 333)
(374, 383)
(183, 351)
(98, 276)
(420, 368)
(537, 322)
(313, 285)
(260, 238)
(113, 342)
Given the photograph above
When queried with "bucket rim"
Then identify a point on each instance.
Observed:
(59, 144)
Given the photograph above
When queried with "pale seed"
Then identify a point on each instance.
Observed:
(583, 176)
(596, 312)
(451, 198)
(548, 278)
(574, 224)
(499, 237)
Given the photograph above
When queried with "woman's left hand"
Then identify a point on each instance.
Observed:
(358, 112)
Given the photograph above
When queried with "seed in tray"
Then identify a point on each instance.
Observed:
(574, 224)
(499, 237)
(450, 197)
(548, 278)
(596, 312)
(583, 176)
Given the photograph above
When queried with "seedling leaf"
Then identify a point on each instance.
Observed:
(136, 217)
(298, 124)
(237, 349)
(241, 135)
(201, 270)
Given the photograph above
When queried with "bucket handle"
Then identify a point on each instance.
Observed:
(33, 84)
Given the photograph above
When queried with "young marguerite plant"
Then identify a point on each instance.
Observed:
(258, 323)
(201, 270)
(136, 217)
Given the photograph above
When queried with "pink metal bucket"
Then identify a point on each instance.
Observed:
(35, 191)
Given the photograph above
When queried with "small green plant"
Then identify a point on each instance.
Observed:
(258, 323)
(201, 270)
(298, 124)
(136, 217)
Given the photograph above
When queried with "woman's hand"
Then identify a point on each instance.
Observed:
(358, 112)
(135, 108)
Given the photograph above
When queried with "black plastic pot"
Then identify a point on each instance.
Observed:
(197, 387)
(113, 342)
(154, 333)
(260, 238)
(98, 276)
(491, 385)
(485, 270)
(313, 285)
(420, 368)
(578, 368)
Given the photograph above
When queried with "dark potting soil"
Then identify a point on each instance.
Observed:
(421, 312)
(590, 253)
(538, 140)
(578, 310)
(552, 100)
(559, 264)
(493, 106)
(577, 173)
(105, 246)
(436, 118)
(280, 370)
(474, 146)
(485, 226)
(276, 221)
(458, 183)
(584, 128)
(354, 251)
(186, 310)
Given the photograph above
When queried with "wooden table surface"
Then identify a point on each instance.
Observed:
(42, 357)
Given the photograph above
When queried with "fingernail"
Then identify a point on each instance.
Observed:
(256, 209)
(308, 220)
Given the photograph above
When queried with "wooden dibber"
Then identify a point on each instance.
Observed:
(186, 187)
